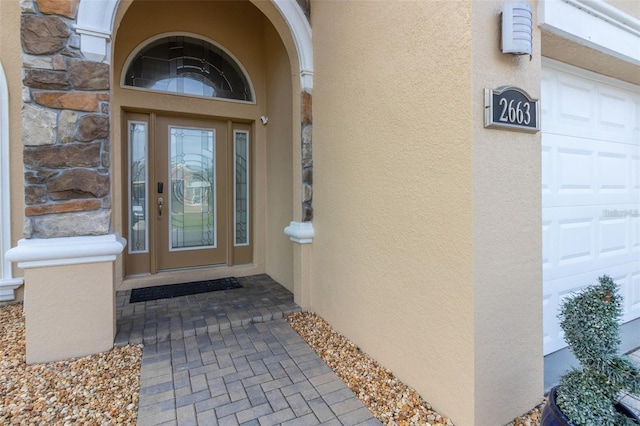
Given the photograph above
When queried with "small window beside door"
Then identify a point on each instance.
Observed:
(138, 215)
(241, 187)
(188, 66)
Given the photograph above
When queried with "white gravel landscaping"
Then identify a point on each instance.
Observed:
(101, 389)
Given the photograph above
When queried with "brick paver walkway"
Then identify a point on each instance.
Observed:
(232, 360)
(633, 401)
(228, 358)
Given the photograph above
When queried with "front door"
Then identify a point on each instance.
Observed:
(190, 193)
(188, 185)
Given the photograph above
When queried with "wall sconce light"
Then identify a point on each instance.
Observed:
(517, 28)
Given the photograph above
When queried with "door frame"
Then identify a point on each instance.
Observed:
(146, 263)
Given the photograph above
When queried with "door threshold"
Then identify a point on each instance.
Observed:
(185, 275)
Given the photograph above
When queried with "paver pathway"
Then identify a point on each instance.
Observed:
(228, 358)
(631, 401)
(257, 374)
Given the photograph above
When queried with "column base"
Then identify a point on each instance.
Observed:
(69, 300)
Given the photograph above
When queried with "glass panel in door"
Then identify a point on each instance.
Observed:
(190, 192)
(192, 189)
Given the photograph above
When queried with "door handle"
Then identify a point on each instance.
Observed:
(160, 204)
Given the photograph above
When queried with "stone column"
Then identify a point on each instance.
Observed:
(302, 233)
(68, 250)
(65, 129)
(307, 158)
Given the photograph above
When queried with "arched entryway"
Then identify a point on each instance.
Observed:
(269, 120)
(75, 189)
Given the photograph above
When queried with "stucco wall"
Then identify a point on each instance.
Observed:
(82, 308)
(507, 238)
(280, 158)
(12, 64)
(632, 7)
(393, 214)
(427, 247)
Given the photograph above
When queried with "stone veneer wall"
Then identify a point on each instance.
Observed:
(307, 127)
(307, 158)
(65, 131)
(66, 128)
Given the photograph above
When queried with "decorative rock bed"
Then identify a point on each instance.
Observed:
(101, 389)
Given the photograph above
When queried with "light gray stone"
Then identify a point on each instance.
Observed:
(26, 95)
(38, 126)
(307, 153)
(27, 228)
(67, 125)
(74, 41)
(307, 192)
(31, 61)
(27, 6)
(72, 224)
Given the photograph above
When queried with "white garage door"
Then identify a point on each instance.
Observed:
(590, 189)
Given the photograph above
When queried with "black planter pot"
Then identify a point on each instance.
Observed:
(553, 416)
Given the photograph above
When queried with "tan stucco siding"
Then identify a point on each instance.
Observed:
(631, 7)
(280, 159)
(507, 240)
(392, 256)
(12, 63)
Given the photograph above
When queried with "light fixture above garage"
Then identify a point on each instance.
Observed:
(517, 28)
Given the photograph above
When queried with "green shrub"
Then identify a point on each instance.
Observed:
(590, 322)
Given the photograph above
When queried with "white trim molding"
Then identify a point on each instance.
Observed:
(300, 232)
(95, 27)
(37, 253)
(8, 284)
(94, 44)
(595, 24)
(301, 32)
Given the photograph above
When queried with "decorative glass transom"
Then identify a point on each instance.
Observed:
(189, 66)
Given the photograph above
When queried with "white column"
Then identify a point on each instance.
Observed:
(8, 284)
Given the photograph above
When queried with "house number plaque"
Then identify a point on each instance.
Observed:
(511, 108)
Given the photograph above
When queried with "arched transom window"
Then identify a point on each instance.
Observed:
(189, 66)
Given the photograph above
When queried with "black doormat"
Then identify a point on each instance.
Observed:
(176, 290)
